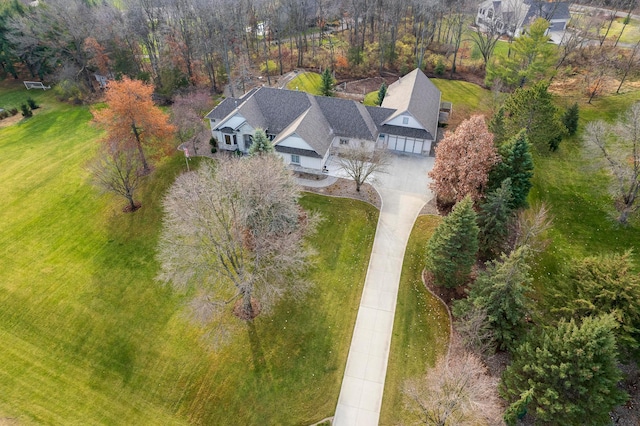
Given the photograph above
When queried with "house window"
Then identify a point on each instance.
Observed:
(344, 141)
(381, 136)
(490, 14)
(271, 136)
(295, 159)
(405, 120)
(230, 139)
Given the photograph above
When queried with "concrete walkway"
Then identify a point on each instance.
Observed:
(404, 191)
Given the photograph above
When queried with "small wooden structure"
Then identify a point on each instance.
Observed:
(35, 85)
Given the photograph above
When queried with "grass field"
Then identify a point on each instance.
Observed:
(309, 82)
(90, 338)
(420, 328)
(630, 35)
(467, 99)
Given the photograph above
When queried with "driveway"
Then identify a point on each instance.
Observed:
(404, 191)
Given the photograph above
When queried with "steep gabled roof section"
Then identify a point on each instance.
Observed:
(312, 126)
(416, 94)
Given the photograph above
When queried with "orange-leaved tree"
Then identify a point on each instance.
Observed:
(132, 119)
(464, 159)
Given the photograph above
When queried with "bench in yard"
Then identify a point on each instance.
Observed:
(35, 85)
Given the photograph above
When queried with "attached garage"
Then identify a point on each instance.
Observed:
(405, 144)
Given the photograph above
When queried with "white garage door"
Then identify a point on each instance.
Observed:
(410, 144)
(392, 142)
(400, 143)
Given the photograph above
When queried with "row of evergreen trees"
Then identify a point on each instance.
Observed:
(564, 362)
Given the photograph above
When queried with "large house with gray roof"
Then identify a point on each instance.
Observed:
(304, 127)
(512, 16)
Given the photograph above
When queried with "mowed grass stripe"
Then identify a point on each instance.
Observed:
(420, 328)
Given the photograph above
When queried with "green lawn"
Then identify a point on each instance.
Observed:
(420, 328)
(90, 338)
(467, 99)
(309, 82)
(631, 33)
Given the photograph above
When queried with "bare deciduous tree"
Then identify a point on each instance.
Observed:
(187, 112)
(360, 162)
(457, 391)
(529, 228)
(618, 146)
(118, 169)
(235, 233)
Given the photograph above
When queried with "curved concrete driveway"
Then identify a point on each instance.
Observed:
(404, 191)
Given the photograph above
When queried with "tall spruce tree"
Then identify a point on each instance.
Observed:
(261, 143)
(451, 251)
(570, 372)
(326, 84)
(381, 93)
(501, 290)
(517, 165)
(493, 221)
(496, 126)
(532, 109)
(570, 119)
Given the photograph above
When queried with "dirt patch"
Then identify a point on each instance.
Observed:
(347, 189)
(366, 85)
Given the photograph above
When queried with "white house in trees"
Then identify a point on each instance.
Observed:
(304, 127)
(512, 16)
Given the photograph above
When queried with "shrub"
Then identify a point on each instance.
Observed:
(439, 67)
(214, 150)
(26, 111)
(4, 114)
(13, 111)
(213, 142)
(32, 104)
(69, 91)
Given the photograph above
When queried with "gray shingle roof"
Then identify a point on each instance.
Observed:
(280, 107)
(406, 131)
(297, 151)
(379, 115)
(416, 94)
(347, 118)
(311, 126)
(553, 10)
(223, 109)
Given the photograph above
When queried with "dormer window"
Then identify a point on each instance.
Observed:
(405, 120)
(344, 141)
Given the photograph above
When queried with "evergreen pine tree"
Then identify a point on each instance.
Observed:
(517, 165)
(570, 119)
(501, 291)
(452, 249)
(381, 93)
(570, 371)
(493, 220)
(496, 126)
(326, 85)
(600, 285)
(533, 109)
(261, 144)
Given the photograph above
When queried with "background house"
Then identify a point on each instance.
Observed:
(512, 16)
(304, 127)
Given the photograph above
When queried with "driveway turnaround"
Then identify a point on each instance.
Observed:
(404, 192)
